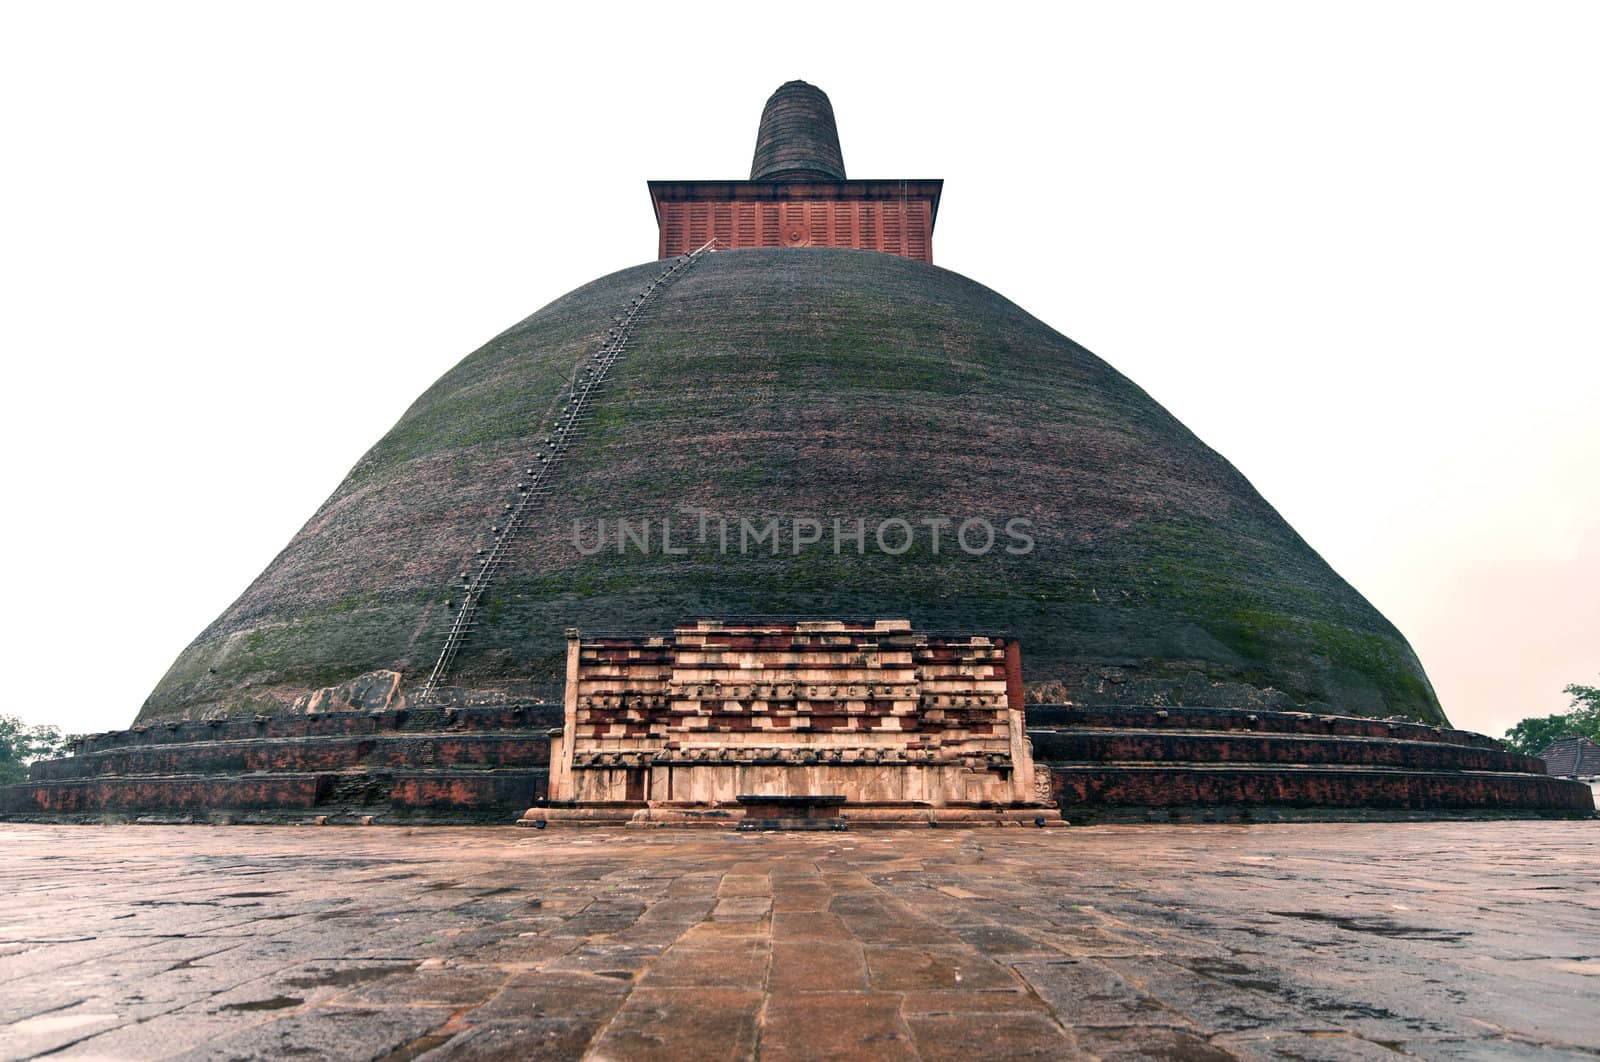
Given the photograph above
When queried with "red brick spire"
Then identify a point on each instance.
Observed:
(798, 194)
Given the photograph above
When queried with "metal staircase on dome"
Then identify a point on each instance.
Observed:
(586, 384)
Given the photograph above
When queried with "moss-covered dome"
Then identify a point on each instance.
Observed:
(808, 384)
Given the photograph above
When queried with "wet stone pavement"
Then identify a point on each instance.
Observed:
(1320, 941)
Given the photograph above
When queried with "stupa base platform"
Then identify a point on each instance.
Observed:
(1144, 763)
(788, 812)
(418, 766)
(490, 765)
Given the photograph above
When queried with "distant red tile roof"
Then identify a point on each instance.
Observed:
(1572, 757)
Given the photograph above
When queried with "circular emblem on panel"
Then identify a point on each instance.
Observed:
(796, 234)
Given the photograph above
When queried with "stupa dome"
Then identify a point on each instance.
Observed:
(803, 385)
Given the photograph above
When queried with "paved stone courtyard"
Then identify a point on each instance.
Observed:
(1444, 940)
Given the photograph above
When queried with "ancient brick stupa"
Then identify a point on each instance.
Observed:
(791, 413)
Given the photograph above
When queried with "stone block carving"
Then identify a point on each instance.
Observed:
(867, 712)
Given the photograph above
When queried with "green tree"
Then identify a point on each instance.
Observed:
(1584, 697)
(1532, 736)
(21, 744)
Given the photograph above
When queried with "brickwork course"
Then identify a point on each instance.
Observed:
(1329, 941)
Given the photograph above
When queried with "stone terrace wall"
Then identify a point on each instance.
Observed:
(1139, 762)
(869, 710)
(460, 765)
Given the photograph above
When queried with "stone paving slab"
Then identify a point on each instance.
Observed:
(1305, 941)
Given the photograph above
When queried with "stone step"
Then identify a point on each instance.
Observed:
(1127, 717)
(390, 750)
(403, 795)
(1126, 785)
(865, 815)
(330, 724)
(1098, 746)
(791, 824)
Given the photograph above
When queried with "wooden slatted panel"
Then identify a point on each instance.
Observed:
(819, 217)
(893, 229)
(745, 225)
(917, 232)
(868, 240)
(769, 225)
(699, 223)
(844, 225)
(674, 237)
(722, 223)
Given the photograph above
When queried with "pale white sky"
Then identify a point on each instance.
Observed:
(1352, 246)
